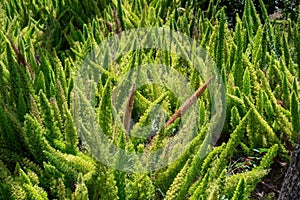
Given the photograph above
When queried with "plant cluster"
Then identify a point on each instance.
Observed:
(43, 46)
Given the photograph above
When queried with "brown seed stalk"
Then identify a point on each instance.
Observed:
(117, 21)
(187, 104)
(20, 57)
(128, 109)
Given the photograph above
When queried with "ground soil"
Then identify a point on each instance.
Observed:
(270, 185)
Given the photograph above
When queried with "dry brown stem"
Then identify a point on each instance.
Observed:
(187, 104)
(20, 57)
(128, 109)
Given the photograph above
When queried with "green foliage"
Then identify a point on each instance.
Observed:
(105, 110)
(295, 112)
(240, 190)
(103, 185)
(140, 186)
(47, 116)
(42, 153)
(285, 91)
(238, 65)
(120, 177)
(221, 40)
(40, 83)
(174, 190)
(81, 191)
(71, 136)
(251, 178)
(267, 160)
(269, 29)
(246, 83)
(200, 189)
(35, 138)
(235, 118)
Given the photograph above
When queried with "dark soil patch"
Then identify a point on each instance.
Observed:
(270, 185)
